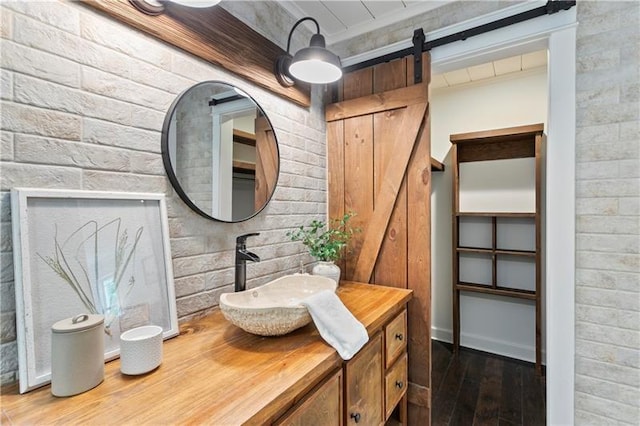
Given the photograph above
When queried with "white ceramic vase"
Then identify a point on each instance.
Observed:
(327, 269)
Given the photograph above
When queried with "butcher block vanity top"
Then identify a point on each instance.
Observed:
(213, 373)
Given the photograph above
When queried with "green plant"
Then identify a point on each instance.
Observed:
(325, 243)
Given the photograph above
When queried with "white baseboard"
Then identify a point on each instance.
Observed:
(487, 344)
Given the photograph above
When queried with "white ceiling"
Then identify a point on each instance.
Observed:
(489, 70)
(341, 20)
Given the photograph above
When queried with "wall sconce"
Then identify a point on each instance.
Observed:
(313, 64)
(156, 7)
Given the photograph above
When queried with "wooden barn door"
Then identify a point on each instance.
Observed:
(379, 163)
(266, 162)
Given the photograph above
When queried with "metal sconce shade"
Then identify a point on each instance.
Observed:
(196, 3)
(313, 64)
(156, 7)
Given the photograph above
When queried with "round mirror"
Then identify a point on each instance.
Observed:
(220, 152)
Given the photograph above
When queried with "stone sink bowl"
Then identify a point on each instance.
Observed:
(274, 309)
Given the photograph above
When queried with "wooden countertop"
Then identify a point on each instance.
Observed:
(212, 373)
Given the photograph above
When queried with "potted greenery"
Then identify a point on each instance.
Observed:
(326, 243)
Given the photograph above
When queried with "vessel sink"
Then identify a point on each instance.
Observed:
(274, 309)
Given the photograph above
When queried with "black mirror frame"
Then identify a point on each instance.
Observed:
(166, 159)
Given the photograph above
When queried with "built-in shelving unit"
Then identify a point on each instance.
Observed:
(498, 251)
(248, 139)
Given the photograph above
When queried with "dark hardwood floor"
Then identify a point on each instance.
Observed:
(478, 388)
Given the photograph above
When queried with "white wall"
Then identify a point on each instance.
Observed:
(490, 323)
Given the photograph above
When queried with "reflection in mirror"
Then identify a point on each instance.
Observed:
(220, 152)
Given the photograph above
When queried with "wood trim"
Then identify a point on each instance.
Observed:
(484, 151)
(419, 395)
(212, 34)
(377, 102)
(455, 237)
(507, 133)
(539, 140)
(386, 197)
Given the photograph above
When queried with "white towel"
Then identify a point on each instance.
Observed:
(337, 326)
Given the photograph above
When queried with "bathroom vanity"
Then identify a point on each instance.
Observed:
(216, 373)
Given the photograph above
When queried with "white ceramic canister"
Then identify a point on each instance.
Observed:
(327, 269)
(140, 349)
(77, 354)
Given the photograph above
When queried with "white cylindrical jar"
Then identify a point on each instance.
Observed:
(77, 354)
(327, 269)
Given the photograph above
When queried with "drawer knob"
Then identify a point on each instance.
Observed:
(399, 384)
(355, 417)
(399, 336)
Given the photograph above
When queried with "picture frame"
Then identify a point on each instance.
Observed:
(88, 252)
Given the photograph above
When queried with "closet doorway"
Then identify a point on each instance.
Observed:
(557, 35)
(476, 385)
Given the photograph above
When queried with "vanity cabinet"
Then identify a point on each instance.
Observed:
(216, 373)
(375, 382)
(322, 407)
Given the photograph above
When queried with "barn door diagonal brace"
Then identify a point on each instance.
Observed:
(418, 42)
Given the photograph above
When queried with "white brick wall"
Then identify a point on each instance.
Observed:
(83, 102)
(607, 214)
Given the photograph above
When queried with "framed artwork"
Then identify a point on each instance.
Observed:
(89, 252)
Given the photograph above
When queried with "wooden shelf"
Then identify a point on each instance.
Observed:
(245, 138)
(495, 214)
(244, 167)
(436, 166)
(498, 291)
(526, 253)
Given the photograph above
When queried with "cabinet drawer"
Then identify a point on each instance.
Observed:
(395, 338)
(395, 384)
(322, 407)
(363, 385)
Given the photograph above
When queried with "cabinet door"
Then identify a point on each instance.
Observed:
(364, 381)
(323, 407)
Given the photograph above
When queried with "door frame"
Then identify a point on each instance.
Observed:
(557, 34)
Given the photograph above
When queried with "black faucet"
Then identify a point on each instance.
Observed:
(242, 255)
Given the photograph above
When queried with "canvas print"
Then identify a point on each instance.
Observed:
(88, 252)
